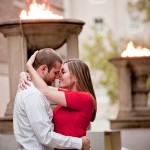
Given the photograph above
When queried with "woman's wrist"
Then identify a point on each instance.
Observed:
(28, 65)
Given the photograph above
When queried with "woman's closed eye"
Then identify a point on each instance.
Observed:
(63, 72)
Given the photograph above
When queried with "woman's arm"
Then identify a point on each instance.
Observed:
(53, 95)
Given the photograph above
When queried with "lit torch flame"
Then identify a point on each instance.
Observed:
(131, 51)
(38, 11)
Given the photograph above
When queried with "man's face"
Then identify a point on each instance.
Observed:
(53, 74)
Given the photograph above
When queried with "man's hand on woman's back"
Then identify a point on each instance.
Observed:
(85, 143)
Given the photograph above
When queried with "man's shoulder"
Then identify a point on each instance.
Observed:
(29, 91)
(30, 95)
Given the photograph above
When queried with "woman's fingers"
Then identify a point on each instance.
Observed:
(24, 80)
(23, 85)
(28, 77)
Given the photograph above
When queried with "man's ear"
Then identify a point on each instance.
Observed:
(44, 69)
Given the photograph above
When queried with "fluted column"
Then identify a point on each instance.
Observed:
(17, 57)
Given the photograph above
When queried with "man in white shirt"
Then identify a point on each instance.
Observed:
(32, 116)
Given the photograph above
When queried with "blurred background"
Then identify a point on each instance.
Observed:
(109, 26)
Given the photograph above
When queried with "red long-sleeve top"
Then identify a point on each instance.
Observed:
(74, 119)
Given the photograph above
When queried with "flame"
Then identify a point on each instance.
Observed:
(131, 51)
(38, 11)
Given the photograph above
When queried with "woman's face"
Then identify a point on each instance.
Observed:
(66, 81)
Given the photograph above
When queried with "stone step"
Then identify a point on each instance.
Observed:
(7, 142)
(99, 141)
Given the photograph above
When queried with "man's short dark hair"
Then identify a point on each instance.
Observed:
(47, 56)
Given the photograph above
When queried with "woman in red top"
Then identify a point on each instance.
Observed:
(75, 96)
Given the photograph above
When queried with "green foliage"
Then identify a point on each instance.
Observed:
(97, 53)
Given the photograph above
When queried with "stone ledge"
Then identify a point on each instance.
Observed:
(130, 123)
(6, 124)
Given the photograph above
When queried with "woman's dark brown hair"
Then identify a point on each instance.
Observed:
(81, 72)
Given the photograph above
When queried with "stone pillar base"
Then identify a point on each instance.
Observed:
(130, 123)
(136, 118)
(136, 113)
(6, 125)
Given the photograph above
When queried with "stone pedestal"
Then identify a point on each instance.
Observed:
(133, 73)
(25, 37)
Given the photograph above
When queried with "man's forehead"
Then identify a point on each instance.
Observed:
(57, 67)
(57, 63)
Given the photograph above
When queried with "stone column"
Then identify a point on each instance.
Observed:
(72, 46)
(17, 57)
(125, 89)
(124, 84)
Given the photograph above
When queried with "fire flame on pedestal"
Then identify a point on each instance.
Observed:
(38, 11)
(131, 51)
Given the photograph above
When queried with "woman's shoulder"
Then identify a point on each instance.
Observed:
(86, 96)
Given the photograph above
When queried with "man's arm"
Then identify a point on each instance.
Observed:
(43, 127)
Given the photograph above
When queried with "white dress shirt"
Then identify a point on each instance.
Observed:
(32, 123)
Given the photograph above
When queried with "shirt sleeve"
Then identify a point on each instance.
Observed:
(79, 100)
(42, 126)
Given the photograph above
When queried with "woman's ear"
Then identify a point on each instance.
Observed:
(75, 80)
